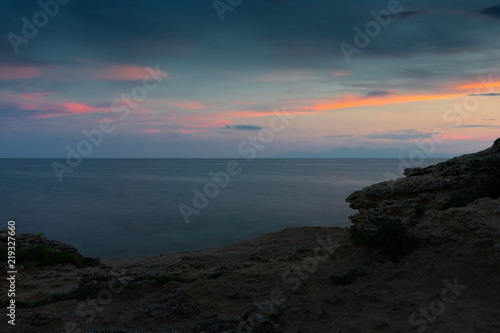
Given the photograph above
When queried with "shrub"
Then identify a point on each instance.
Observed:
(394, 240)
(42, 255)
(391, 238)
(161, 280)
(215, 275)
(347, 278)
(357, 236)
(461, 199)
(420, 210)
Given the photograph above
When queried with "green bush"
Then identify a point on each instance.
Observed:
(215, 275)
(420, 210)
(461, 199)
(347, 278)
(391, 238)
(162, 280)
(42, 255)
(357, 236)
(167, 278)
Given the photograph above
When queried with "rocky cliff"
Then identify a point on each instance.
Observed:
(456, 182)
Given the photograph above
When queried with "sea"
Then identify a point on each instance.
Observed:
(124, 208)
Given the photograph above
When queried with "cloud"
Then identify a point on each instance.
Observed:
(40, 106)
(123, 73)
(244, 127)
(290, 76)
(341, 73)
(491, 94)
(403, 135)
(8, 72)
(379, 93)
(351, 101)
(408, 14)
(339, 136)
(478, 126)
(417, 72)
(483, 85)
(187, 104)
(149, 131)
(493, 12)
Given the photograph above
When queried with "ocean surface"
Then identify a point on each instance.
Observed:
(122, 208)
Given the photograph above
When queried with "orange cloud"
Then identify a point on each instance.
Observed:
(482, 85)
(77, 108)
(351, 101)
(341, 73)
(18, 72)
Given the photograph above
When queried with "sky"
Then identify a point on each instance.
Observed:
(203, 78)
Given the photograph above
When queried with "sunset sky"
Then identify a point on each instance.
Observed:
(218, 72)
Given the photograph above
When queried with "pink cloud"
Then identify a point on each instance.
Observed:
(18, 72)
(149, 131)
(187, 131)
(77, 108)
(187, 104)
(40, 102)
(341, 73)
(123, 73)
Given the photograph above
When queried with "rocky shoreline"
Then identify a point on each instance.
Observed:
(300, 279)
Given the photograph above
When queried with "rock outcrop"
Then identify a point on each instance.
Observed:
(467, 177)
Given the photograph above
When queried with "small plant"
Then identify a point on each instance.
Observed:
(461, 199)
(162, 280)
(357, 236)
(44, 239)
(347, 278)
(420, 210)
(215, 275)
(43, 255)
(167, 278)
(394, 240)
(391, 237)
(182, 280)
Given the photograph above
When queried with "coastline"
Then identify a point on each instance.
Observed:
(309, 279)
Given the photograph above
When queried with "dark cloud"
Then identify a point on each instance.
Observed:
(477, 126)
(408, 14)
(17, 113)
(244, 127)
(287, 34)
(493, 12)
(417, 72)
(409, 134)
(378, 93)
(491, 94)
(338, 136)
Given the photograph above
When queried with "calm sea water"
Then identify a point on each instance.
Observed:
(119, 208)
